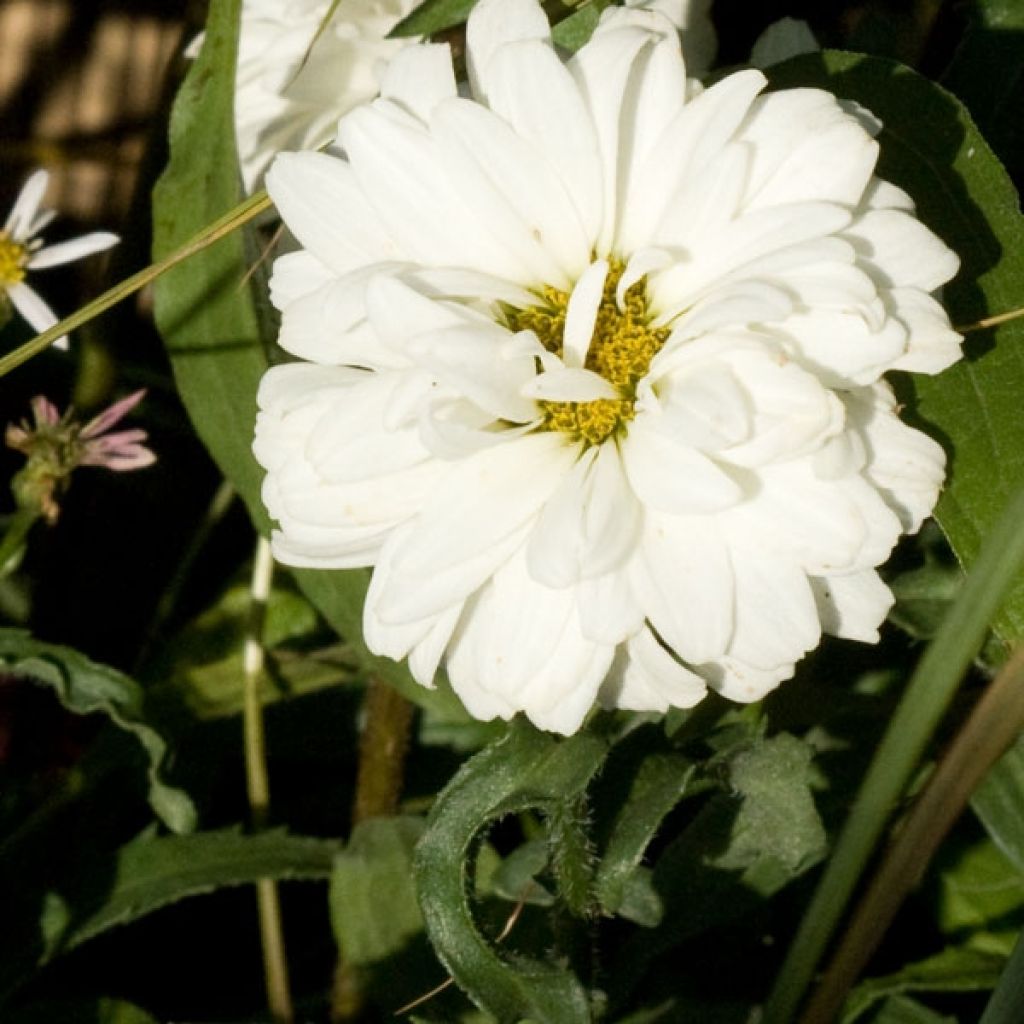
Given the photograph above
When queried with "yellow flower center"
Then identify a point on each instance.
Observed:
(621, 350)
(13, 257)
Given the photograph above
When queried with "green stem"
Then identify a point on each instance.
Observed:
(233, 219)
(16, 537)
(928, 696)
(275, 964)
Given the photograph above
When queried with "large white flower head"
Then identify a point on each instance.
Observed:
(286, 100)
(22, 251)
(591, 370)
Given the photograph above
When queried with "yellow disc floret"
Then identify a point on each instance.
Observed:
(621, 350)
(13, 257)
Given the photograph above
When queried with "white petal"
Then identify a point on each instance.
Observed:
(24, 210)
(607, 607)
(510, 192)
(544, 107)
(650, 679)
(852, 606)
(73, 249)
(589, 526)
(39, 315)
(296, 274)
(782, 39)
(492, 25)
(684, 582)
(673, 477)
(901, 251)
(776, 616)
(485, 500)
(932, 344)
(419, 77)
(563, 385)
(694, 139)
(320, 201)
(581, 313)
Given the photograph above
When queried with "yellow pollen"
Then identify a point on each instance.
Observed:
(621, 350)
(13, 257)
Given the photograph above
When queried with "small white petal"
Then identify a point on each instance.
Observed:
(39, 315)
(26, 205)
(73, 249)
(494, 24)
(565, 385)
(420, 77)
(581, 314)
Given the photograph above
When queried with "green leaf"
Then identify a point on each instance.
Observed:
(202, 666)
(999, 803)
(980, 899)
(777, 834)
(207, 314)
(80, 1011)
(903, 1010)
(656, 784)
(572, 32)
(204, 309)
(433, 16)
(374, 911)
(153, 872)
(525, 769)
(931, 148)
(103, 892)
(1007, 999)
(956, 969)
(84, 687)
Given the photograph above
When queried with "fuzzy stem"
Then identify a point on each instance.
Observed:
(275, 965)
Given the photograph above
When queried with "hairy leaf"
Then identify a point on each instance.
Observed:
(525, 769)
(931, 148)
(83, 687)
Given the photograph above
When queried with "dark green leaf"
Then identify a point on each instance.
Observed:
(987, 74)
(957, 969)
(980, 898)
(81, 1011)
(999, 803)
(84, 687)
(516, 878)
(903, 1010)
(931, 148)
(433, 16)
(373, 897)
(1004, 1006)
(572, 32)
(777, 834)
(526, 769)
(152, 872)
(102, 892)
(203, 308)
(657, 784)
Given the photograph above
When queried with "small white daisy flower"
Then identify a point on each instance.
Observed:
(22, 251)
(592, 370)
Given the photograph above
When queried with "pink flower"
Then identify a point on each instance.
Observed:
(56, 445)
